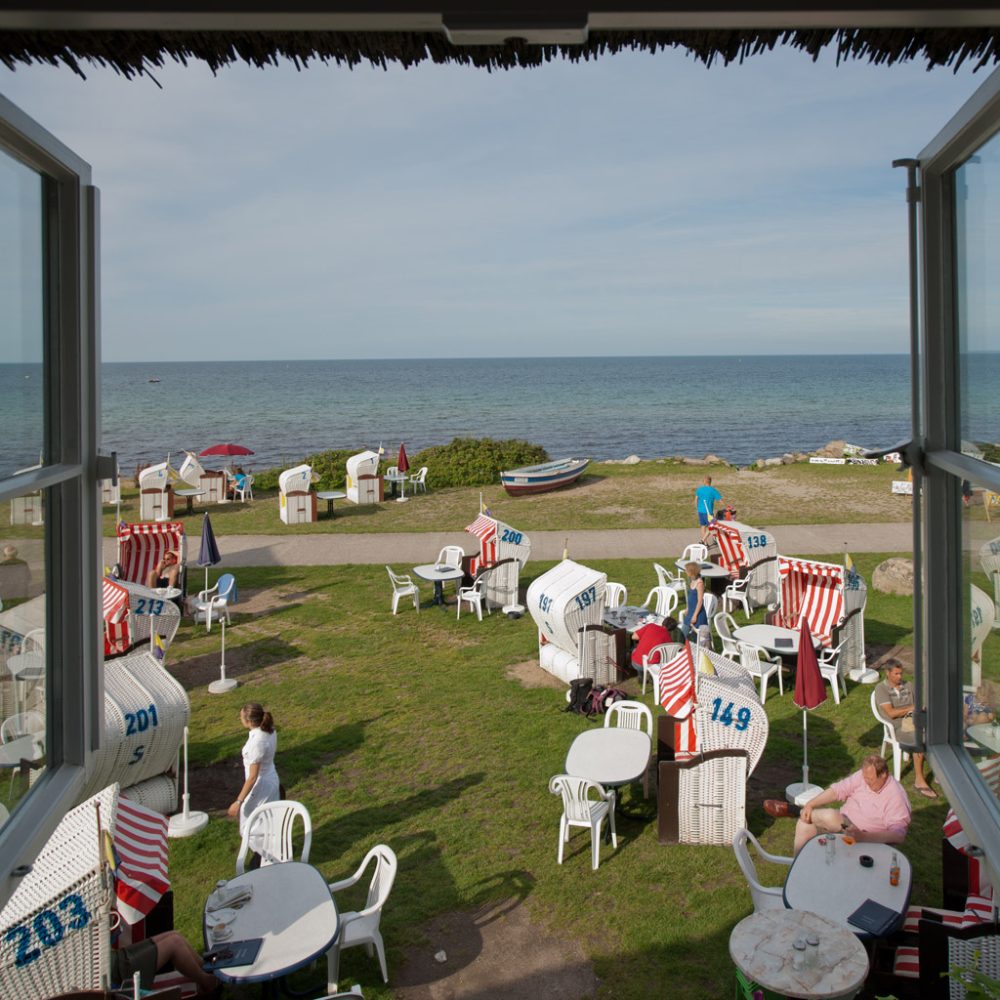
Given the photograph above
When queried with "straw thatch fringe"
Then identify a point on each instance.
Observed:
(137, 53)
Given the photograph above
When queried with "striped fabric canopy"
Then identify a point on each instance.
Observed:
(812, 590)
(678, 698)
(114, 610)
(731, 549)
(485, 529)
(140, 547)
(140, 839)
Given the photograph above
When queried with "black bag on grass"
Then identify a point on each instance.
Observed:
(579, 693)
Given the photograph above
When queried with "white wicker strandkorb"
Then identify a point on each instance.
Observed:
(142, 603)
(982, 953)
(145, 712)
(754, 548)
(989, 559)
(54, 931)
(712, 800)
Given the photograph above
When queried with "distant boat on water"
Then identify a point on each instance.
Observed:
(544, 477)
(152, 380)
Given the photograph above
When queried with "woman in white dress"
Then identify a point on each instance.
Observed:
(260, 777)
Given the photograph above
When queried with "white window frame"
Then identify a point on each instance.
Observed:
(68, 476)
(944, 597)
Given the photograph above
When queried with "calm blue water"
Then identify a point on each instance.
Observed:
(738, 408)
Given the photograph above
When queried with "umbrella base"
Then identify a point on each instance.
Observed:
(799, 794)
(186, 826)
(863, 676)
(222, 685)
(402, 499)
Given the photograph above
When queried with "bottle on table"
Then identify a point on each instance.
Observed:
(894, 870)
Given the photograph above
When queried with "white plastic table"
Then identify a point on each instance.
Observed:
(761, 948)
(835, 889)
(24, 667)
(189, 495)
(329, 496)
(399, 477)
(611, 756)
(292, 910)
(630, 617)
(12, 753)
(986, 734)
(765, 636)
(428, 571)
(709, 570)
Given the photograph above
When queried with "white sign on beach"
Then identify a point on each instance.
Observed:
(863, 461)
(902, 486)
(819, 460)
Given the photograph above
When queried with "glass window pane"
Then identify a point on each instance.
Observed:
(23, 663)
(22, 387)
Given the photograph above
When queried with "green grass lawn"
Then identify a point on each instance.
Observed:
(648, 495)
(408, 731)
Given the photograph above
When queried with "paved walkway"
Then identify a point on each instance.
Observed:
(626, 543)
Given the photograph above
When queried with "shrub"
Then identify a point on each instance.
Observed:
(464, 462)
(475, 461)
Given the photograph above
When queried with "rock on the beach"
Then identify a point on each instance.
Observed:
(693, 461)
(772, 461)
(835, 449)
(894, 576)
(715, 460)
(788, 458)
(632, 460)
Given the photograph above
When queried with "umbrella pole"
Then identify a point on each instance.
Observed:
(224, 683)
(186, 823)
(800, 792)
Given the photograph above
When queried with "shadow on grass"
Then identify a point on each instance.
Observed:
(241, 661)
(304, 759)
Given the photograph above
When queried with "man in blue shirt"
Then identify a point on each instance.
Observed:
(706, 497)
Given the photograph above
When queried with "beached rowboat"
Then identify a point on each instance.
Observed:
(545, 477)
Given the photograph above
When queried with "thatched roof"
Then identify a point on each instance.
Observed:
(392, 31)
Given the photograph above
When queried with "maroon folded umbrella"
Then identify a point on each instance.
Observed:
(225, 449)
(810, 692)
(403, 463)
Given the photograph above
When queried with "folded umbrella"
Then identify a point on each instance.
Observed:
(208, 554)
(810, 692)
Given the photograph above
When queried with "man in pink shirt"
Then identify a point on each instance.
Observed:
(875, 807)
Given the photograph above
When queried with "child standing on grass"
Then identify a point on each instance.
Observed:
(260, 782)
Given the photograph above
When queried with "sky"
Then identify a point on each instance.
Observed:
(633, 205)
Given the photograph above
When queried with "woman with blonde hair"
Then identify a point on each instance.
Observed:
(695, 615)
(260, 779)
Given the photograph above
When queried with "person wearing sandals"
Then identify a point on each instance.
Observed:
(260, 782)
(894, 698)
(150, 955)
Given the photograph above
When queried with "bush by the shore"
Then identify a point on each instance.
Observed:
(463, 462)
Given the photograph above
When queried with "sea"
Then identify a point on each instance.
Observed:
(739, 408)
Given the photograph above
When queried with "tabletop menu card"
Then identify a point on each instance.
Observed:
(873, 918)
(231, 954)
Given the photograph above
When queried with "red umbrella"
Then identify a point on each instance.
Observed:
(810, 692)
(403, 463)
(225, 449)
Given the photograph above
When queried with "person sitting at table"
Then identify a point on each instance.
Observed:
(894, 698)
(149, 956)
(236, 481)
(875, 807)
(165, 572)
(694, 616)
(651, 635)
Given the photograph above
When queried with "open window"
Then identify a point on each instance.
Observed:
(49, 515)
(959, 236)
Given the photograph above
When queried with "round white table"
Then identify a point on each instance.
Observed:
(438, 576)
(611, 756)
(630, 617)
(986, 734)
(399, 477)
(835, 887)
(24, 668)
(761, 948)
(768, 636)
(189, 495)
(709, 570)
(292, 911)
(329, 496)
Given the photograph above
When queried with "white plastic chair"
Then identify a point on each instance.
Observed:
(420, 479)
(829, 668)
(451, 555)
(362, 926)
(672, 581)
(755, 661)
(615, 595)
(666, 601)
(473, 596)
(764, 897)
(580, 810)
(696, 552)
(711, 604)
(725, 625)
(269, 830)
(244, 492)
(30, 723)
(667, 651)
(629, 715)
(213, 604)
(899, 754)
(403, 586)
(736, 593)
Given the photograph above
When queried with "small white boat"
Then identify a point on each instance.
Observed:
(544, 477)
(152, 380)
